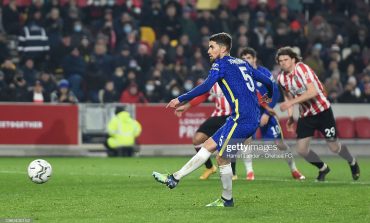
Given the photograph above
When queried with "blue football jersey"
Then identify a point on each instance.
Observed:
(262, 89)
(236, 79)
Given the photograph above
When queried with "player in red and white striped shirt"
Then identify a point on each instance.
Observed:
(211, 125)
(301, 86)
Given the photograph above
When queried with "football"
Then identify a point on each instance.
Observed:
(39, 171)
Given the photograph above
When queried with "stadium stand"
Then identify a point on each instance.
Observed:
(331, 36)
(345, 127)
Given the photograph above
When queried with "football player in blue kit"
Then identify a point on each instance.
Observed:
(236, 79)
(269, 124)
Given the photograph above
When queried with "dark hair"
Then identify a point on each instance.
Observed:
(222, 39)
(119, 109)
(288, 51)
(248, 50)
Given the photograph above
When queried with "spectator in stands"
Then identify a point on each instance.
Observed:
(4, 51)
(314, 61)
(111, 36)
(18, 88)
(133, 95)
(131, 77)
(296, 36)
(355, 58)
(189, 27)
(37, 95)
(283, 14)
(98, 71)
(123, 131)
(226, 20)
(79, 31)
(124, 58)
(11, 18)
(351, 72)
(125, 25)
(282, 37)
(9, 69)
(171, 24)
(333, 55)
(267, 52)
(54, 26)
(72, 15)
(245, 30)
(163, 47)
(187, 45)
(85, 49)
(153, 92)
(174, 91)
(119, 79)
(33, 41)
(353, 27)
(109, 93)
(29, 71)
(58, 52)
(143, 58)
(261, 31)
(351, 92)
(63, 94)
(74, 68)
(319, 30)
(207, 19)
(48, 82)
(152, 15)
(333, 87)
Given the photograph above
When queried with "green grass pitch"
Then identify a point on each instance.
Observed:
(123, 190)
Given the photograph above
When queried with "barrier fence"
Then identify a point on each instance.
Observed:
(54, 124)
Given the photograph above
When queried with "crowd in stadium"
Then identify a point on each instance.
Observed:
(140, 51)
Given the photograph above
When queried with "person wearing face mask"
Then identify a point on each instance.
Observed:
(153, 92)
(175, 91)
(124, 26)
(79, 32)
(188, 85)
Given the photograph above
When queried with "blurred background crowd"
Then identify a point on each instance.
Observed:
(142, 51)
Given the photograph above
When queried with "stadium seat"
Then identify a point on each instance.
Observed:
(286, 134)
(207, 4)
(362, 127)
(345, 128)
(147, 35)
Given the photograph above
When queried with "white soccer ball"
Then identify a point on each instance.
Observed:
(39, 171)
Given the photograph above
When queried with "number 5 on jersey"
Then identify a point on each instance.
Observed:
(248, 79)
